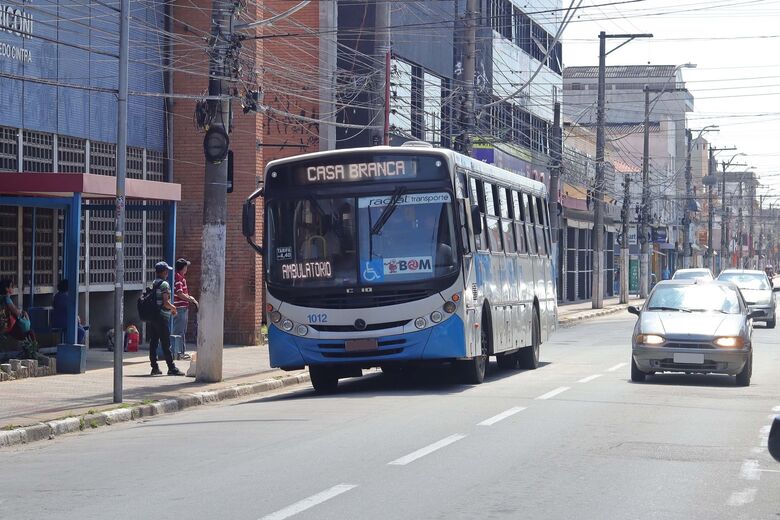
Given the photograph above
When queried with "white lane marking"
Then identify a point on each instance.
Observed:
(422, 452)
(553, 393)
(749, 470)
(769, 470)
(500, 417)
(764, 435)
(589, 378)
(308, 503)
(776, 409)
(617, 367)
(740, 498)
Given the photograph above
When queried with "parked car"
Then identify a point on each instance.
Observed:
(774, 439)
(692, 274)
(756, 289)
(693, 327)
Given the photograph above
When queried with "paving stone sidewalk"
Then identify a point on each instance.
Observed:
(570, 314)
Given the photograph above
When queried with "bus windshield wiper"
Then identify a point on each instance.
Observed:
(388, 211)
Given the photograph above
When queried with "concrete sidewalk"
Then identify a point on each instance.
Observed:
(33, 400)
(569, 314)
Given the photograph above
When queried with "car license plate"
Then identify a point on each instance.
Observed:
(361, 345)
(691, 359)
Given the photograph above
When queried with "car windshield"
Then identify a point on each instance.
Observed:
(692, 275)
(694, 298)
(747, 281)
(325, 242)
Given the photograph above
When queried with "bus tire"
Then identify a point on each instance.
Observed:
(473, 370)
(528, 357)
(324, 379)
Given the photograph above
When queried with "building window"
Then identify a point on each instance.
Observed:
(501, 17)
(432, 107)
(401, 97)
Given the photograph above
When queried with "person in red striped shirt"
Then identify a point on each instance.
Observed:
(182, 300)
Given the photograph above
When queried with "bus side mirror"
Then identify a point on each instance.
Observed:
(248, 224)
(476, 220)
(248, 219)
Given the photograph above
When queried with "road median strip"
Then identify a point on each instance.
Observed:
(125, 413)
(566, 321)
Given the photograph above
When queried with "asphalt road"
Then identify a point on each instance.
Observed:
(572, 440)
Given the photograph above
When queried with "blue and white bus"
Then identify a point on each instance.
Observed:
(389, 256)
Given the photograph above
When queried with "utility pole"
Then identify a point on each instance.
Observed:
(121, 174)
(724, 228)
(597, 280)
(556, 154)
(644, 217)
(751, 239)
(687, 209)
(624, 245)
(739, 224)
(212, 297)
(711, 165)
(466, 119)
(381, 59)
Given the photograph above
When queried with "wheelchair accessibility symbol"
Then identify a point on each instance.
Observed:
(373, 271)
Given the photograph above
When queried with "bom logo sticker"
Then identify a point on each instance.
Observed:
(408, 265)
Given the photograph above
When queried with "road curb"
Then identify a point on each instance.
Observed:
(568, 322)
(55, 428)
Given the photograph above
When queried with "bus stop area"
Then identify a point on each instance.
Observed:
(30, 401)
(65, 205)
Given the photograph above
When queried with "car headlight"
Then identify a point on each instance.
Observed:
(650, 339)
(287, 325)
(436, 316)
(730, 342)
(420, 323)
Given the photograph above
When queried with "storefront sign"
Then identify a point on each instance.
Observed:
(18, 22)
(632, 236)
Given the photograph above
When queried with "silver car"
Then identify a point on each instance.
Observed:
(697, 273)
(693, 327)
(756, 289)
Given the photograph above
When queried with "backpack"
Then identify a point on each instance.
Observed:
(148, 310)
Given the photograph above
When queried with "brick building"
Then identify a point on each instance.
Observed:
(282, 67)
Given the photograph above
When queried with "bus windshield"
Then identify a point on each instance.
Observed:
(336, 241)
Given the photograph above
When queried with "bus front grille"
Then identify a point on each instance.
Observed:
(351, 328)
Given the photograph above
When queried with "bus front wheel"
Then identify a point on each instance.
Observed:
(324, 379)
(528, 357)
(473, 370)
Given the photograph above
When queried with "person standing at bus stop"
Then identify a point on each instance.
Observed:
(160, 328)
(182, 300)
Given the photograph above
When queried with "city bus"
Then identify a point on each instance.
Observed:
(394, 256)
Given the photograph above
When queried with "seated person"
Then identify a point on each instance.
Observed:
(13, 322)
(59, 313)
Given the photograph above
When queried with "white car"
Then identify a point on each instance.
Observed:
(692, 274)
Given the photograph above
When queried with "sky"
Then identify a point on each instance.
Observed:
(736, 47)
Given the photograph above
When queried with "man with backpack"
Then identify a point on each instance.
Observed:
(159, 318)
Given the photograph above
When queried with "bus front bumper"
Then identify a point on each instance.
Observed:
(445, 340)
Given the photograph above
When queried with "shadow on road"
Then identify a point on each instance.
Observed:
(434, 380)
(708, 380)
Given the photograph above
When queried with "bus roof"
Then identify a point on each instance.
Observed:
(488, 171)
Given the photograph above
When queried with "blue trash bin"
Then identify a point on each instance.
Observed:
(71, 359)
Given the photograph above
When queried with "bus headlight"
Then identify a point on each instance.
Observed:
(420, 323)
(302, 330)
(436, 316)
(276, 316)
(449, 307)
(287, 325)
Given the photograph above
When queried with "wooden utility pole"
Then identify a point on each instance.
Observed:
(624, 245)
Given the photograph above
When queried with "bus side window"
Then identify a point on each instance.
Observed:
(519, 217)
(539, 228)
(492, 220)
(547, 227)
(477, 197)
(533, 244)
(506, 221)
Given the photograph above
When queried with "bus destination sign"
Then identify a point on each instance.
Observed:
(397, 169)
